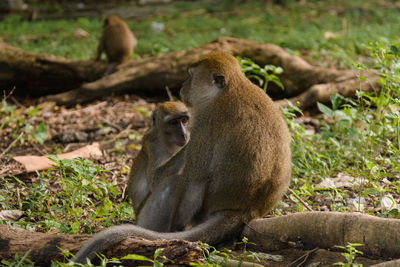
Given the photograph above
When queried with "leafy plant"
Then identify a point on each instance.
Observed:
(350, 255)
(17, 122)
(62, 196)
(214, 257)
(245, 242)
(19, 261)
(269, 73)
(359, 137)
(154, 261)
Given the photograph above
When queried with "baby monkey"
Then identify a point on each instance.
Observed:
(168, 134)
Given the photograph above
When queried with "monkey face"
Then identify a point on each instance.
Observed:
(202, 86)
(176, 130)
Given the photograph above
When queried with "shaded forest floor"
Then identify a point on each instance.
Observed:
(117, 124)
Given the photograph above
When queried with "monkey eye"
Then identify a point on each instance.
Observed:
(184, 119)
(174, 122)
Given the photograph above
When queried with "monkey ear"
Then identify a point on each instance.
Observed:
(219, 80)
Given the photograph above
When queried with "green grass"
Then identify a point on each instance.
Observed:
(293, 26)
(358, 137)
(74, 197)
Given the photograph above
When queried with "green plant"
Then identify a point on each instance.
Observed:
(154, 261)
(294, 26)
(85, 189)
(214, 257)
(358, 137)
(269, 73)
(12, 119)
(245, 242)
(74, 197)
(19, 261)
(350, 255)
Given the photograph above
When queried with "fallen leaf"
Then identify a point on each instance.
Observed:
(340, 181)
(81, 34)
(39, 163)
(387, 202)
(10, 215)
(331, 35)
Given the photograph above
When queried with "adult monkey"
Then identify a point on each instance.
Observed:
(167, 134)
(117, 41)
(236, 165)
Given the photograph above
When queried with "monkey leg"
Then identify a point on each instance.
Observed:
(217, 228)
(159, 208)
(111, 68)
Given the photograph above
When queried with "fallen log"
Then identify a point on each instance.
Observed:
(305, 230)
(45, 248)
(73, 82)
(41, 74)
(379, 236)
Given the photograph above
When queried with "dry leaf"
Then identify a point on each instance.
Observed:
(10, 215)
(81, 34)
(388, 202)
(331, 35)
(340, 181)
(39, 163)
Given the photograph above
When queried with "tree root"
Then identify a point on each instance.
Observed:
(71, 82)
(380, 237)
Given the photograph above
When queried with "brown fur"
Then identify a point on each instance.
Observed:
(167, 134)
(237, 163)
(117, 41)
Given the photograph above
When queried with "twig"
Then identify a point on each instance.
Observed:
(127, 129)
(124, 190)
(67, 147)
(16, 102)
(86, 109)
(10, 93)
(42, 151)
(299, 199)
(9, 147)
(169, 93)
(304, 257)
(248, 225)
(119, 128)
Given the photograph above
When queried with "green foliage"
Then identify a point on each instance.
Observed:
(245, 242)
(262, 75)
(12, 119)
(103, 262)
(350, 255)
(294, 26)
(359, 137)
(73, 197)
(154, 261)
(19, 261)
(213, 258)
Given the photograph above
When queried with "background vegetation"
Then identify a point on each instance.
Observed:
(352, 146)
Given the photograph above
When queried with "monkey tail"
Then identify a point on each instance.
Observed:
(219, 227)
(106, 239)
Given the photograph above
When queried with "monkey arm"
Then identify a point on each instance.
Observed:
(216, 229)
(173, 166)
